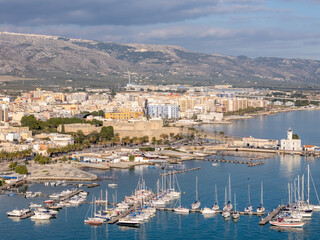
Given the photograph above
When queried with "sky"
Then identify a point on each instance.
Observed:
(254, 28)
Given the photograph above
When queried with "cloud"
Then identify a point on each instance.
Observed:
(117, 12)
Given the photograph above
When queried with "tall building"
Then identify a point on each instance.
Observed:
(163, 111)
(4, 113)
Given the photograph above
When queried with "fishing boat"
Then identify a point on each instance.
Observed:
(249, 208)
(280, 222)
(235, 214)
(261, 209)
(196, 204)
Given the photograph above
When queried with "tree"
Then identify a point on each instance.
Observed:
(106, 133)
(131, 158)
(13, 165)
(62, 128)
(113, 93)
(21, 169)
(295, 136)
(164, 136)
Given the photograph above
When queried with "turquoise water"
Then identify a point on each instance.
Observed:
(275, 174)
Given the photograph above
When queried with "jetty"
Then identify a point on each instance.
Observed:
(271, 215)
(70, 195)
(249, 163)
(181, 171)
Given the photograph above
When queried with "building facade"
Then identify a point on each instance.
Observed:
(290, 144)
(165, 111)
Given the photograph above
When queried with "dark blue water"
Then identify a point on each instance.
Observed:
(275, 174)
(304, 123)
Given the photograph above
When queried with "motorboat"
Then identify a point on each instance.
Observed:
(181, 210)
(18, 213)
(112, 185)
(34, 205)
(281, 222)
(94, 221)
(128, 222)
(208, 211)
(226, 214)
(39, 215)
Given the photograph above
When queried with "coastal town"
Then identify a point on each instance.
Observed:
(76, 128)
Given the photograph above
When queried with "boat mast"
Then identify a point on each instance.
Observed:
(299, 188)
(261, 193)
(235, 202)
(289, 193)
(216, 193)
(196, 188)
(225, 196)
(308, 184)
(106, 199)
(249, 194)
(229, 189)
(302, 188)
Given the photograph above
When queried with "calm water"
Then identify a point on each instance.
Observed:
(275, 174)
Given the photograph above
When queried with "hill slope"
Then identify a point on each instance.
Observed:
(57, 59)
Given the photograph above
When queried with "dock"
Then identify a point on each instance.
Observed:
(249, 163)
(181, 171)
(70, 195)
(271, 215)
(217, 212)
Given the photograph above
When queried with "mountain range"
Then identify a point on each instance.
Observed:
(57, 60)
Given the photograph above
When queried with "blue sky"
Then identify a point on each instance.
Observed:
(273, 28)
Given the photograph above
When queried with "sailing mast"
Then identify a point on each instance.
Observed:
(229, 189)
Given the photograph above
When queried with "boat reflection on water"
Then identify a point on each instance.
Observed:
(14, 219)
(40, 222)
(286, 229)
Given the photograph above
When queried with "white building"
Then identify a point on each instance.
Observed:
(290, 144)
(12, 136)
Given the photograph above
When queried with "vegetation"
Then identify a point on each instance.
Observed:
(243, 111)
(52, 124)
(131, 158)
(13, 165)
(147, 149)
(295, 136)
(42, 159)
(21, 169)
(15, 155)
(99, 113)
(302, 103)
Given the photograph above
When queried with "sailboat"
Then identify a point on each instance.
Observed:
(180, 209)
(235, 215)
(196, 204)
(249, 208)
(261, 209)
(103, 214)
(216, 204)
(93, 220)
(228, 206)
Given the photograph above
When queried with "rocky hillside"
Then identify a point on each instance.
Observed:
(53, 59)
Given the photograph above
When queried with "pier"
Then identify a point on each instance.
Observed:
(249, 163)
(271, 215)
(70, 195)
(181, 171)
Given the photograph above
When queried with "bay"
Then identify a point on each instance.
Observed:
(275, 174)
